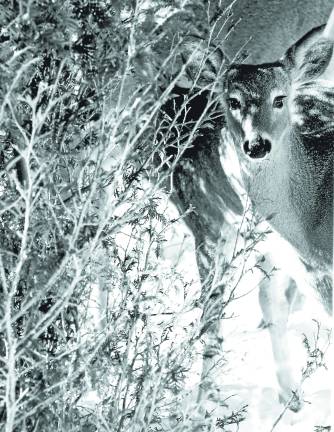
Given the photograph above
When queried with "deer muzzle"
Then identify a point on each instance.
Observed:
(257, 148)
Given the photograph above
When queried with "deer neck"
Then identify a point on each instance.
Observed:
(311, 192)
(292, 188)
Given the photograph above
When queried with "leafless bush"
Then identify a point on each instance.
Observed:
(82, 84)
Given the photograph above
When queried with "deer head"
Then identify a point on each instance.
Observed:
(255, 106)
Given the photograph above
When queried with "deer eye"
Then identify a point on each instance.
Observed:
(234, 103)
(279, 102)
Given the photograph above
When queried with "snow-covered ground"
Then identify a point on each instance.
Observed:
(248, 376)
(252, 370)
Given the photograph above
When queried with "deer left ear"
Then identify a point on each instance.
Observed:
(316, 60)
(296, 56)
(309, 58)
(310, 62)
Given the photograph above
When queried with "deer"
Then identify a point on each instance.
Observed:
(199, 179)
(280, 118)
(278, 189)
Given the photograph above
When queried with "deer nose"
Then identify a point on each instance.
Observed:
(257, 148)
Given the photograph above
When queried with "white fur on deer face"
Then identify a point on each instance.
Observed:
(255, 99)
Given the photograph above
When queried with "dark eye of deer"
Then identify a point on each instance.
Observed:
(234, 103)
(279, 102)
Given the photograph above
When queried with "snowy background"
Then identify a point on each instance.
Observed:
(248, 376)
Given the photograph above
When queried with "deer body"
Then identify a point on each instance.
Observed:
(293, 187)
(280, 117)
(287, 174)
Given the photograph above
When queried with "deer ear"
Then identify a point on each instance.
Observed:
(310, 63)
(308, 58)
(203, 64)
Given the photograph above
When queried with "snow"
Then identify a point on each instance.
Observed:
(248, 374)
(248, 377)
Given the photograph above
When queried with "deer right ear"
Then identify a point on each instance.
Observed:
(204, 64)
(229, 76)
